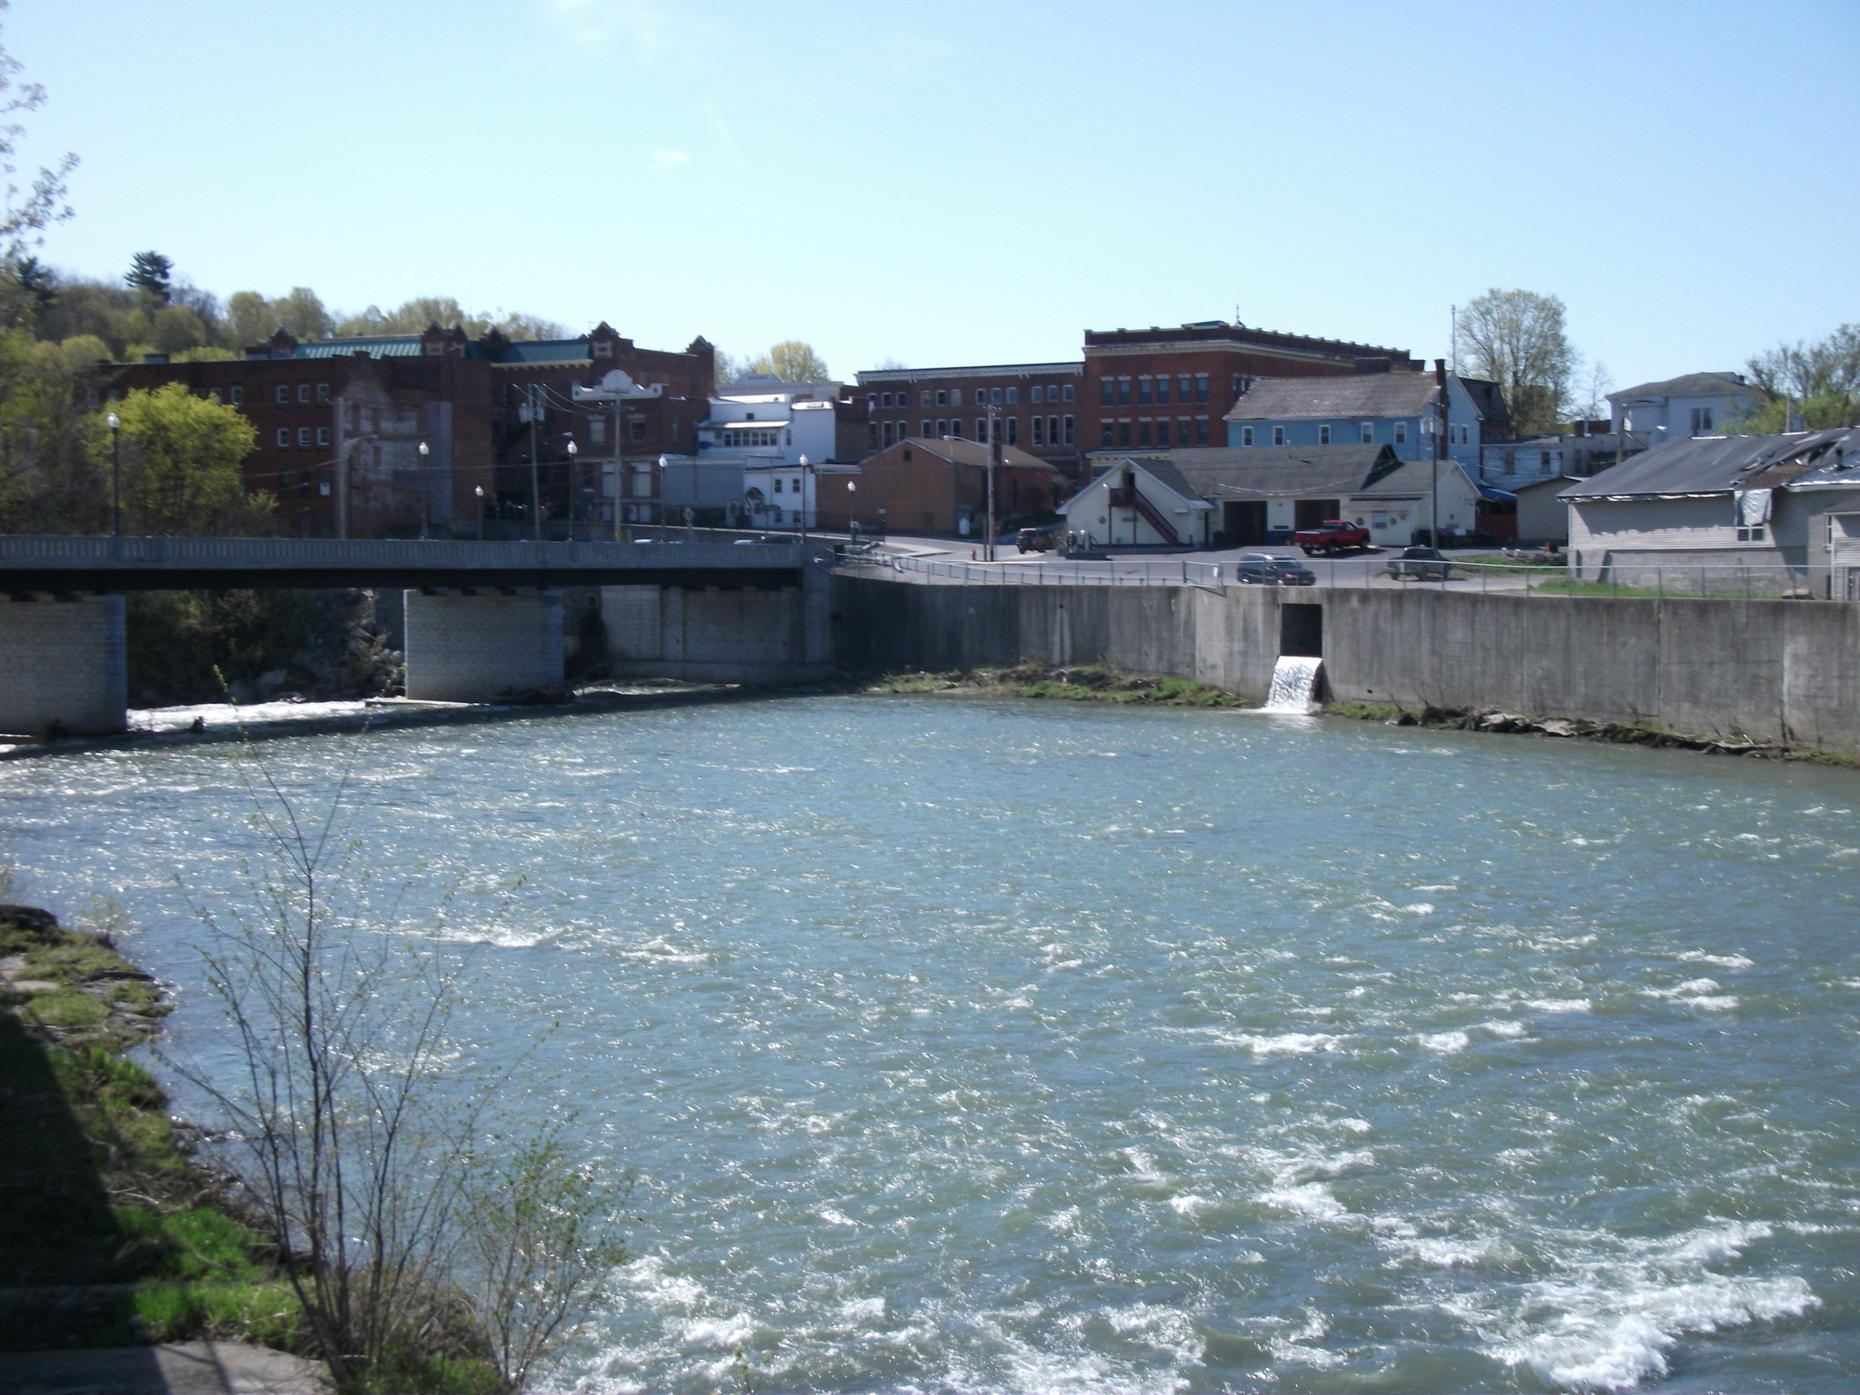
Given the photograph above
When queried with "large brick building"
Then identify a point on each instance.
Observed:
(341, 423)
(1036, 406)
(1173, 386)
(934, 486)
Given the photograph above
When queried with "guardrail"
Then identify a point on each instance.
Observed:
(1156, 572)
(51, 553)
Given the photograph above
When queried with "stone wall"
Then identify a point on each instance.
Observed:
(1775, 671)
(62, 664)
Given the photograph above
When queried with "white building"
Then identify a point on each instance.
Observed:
(1697, 404)
(778, 433)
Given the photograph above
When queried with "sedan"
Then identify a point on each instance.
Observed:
(1421, 564)
(1263, 569)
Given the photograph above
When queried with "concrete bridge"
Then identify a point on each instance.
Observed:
(483, 619)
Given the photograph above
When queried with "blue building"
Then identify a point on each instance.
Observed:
(1385, 406)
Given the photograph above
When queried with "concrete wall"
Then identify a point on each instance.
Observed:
(480, 647)
(1774, 671)
(62, 662)
(712, 635)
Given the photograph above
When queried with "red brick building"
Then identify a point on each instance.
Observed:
(933, 486)
(341, 423)
(1173, 386)
(1036, 407)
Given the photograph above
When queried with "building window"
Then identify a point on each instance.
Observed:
(1162, 391)
(1065, 393)
(1104, 433)
(1123, 431)
(1162, 432)
(1146, 391)
(1278, 435)
(303, 438)
(1039, 430)
(926, 425)
(1701, 425)
(1246, 435)
(1201, 387)
(303, 394)
(942, 397)
(283, 394)
(1201, 431)
(955, 427)
(955, 397)
(322, 392)
(1052, 431)
(1107, 392)
(942, 427)
(1143, 432)
(1013, 429)
(1068, 430)
(1013, 398)
(1401, 433)
(236, 394)
(1324, 435)
(284, 437)
(923, 397)
(597, 431)
(1037, 394)
(886, 434)
(636, 430)
(884, 399)
(1123, 392)
(1369, 432)
(1755, 533)
(981, 428)
(1181, 388)
(778, 484)
(994, 396)
(1466, 435)
(322, 435)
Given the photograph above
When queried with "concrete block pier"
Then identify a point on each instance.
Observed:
(63, 665)
(478, 646)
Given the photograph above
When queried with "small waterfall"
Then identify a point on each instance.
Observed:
(1294, 684)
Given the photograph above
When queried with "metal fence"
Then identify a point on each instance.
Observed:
(1751, 582)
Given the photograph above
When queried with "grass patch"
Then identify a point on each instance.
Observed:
(1081, 683)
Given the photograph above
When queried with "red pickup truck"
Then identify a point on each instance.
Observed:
(1331, 536)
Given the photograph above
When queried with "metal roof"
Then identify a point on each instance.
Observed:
(376, 346)
(1400, 393)
(1687, 385)
(1721, 464)
(1282, 472)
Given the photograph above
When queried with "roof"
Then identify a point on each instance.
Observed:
(1489, 400)
(411, 346)
(1721, 464)
(961, 451)
(1287, 472)
(1395, 394)
(1687, 385)
(376, 346)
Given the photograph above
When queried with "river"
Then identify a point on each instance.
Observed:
(965, 1045)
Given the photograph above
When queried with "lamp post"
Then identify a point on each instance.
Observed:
(852, 518)
(573, 451)
(115, 424)
(659, 489)
(804, 470)
(426, 494)
(479, 491)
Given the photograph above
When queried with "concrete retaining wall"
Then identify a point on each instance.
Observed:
(773, 636)
(1771, 670)
(477, 648)
(63, 663)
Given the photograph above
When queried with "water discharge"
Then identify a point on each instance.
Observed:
(974, 1046)
(1294, 685)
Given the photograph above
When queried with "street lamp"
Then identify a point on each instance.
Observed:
(479, 491)
(115, 423)
(659, 489)
(426, 496)
(804, 469)
(573, 450)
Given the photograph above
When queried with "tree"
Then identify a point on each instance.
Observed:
(1818, 384)
(793, 361)
(152, 274)
(1517, 340)
(181, 464)
(24, 219)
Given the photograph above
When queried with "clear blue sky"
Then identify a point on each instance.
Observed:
(978, 182)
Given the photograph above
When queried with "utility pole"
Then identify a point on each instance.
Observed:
(535, 479)
(994, 459)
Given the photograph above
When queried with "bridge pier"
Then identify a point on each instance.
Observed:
(753, 635)
(63, 664)
(481, 646)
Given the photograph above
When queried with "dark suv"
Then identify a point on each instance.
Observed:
(1263, 569)
(1043, 539)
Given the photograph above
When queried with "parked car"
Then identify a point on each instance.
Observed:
(1331, 536)
(1263, 569)
(1421, 564)
(1043, 539)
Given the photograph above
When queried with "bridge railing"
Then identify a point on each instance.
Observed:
(1150, 572)
(42, 552)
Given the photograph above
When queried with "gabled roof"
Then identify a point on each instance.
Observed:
(1687, 385)
(1286, 472)
(960, 451)
(1721, 464)
(1395, 394)
(1489, 401)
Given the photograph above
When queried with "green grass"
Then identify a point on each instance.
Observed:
(1080, 683)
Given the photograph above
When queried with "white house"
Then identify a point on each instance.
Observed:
(778, 433)
(1696, 404)
(1139, 503)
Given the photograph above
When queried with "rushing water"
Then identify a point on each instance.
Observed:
(972, 1046)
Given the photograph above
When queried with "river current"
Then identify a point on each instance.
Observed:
(971, 1046)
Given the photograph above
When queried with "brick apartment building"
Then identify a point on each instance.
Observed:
(1173, 386)
(1036, 407)
(341, 423)
(934, 486)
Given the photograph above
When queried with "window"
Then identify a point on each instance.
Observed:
(284, 437)
(1037, 394)
(303, 394)
(778, 484)
(1278, 435)
(1013, 429)
(636, 430)
(322, 392)
(1324, 435)
(926, 425)
(1068, 428)
(942, 397)
(1543, 463)
(1146, 391)
(1162, 391)
(886, 435)
(1107, 392)
(1369, 432)
(213, 394)
(1123, 392)
(1039, 429)
(1201, 387)
(1401, 433)
(236, 394)
(1181, 388)
(1701, 426)
(1052, 431)
(1013, 396)
(1162, 432)
(994, 396)
(1466, 435)
(775, 515)
(955, 427)
(1753, 534)
(955, 397)
(322, 435)
(282, 394)
(597, 431)
(942, 427)
(303, 438)
(1201, 431)
(871, 402)
(1143, 432)
(923, 398)
(981, 428)
(1104, 433)
(1065, 393)
(884, 399)
(1123, 431)
(1246, 435)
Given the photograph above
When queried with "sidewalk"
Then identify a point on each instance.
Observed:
(186, 1368)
